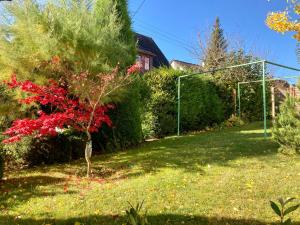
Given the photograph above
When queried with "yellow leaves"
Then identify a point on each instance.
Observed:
(77, 223)
(279, 22)
(297, 9)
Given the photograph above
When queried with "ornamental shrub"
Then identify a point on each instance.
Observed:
(200, 103)
(286, 130)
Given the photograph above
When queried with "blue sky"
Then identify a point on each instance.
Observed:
(174, 25)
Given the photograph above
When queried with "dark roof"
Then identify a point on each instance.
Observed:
(147, 45)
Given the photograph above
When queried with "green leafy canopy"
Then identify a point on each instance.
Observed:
(86, 35)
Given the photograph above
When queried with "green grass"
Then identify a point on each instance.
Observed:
(219, 177)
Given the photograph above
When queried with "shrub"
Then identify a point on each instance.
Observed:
(233, 121)
(286, 129)
(52, 150)
(251, 94)
(31, 152)
(200, 103)
(126, 118)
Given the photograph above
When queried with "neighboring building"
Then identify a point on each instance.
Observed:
(282, 90)
(181, 65)
(149, 54)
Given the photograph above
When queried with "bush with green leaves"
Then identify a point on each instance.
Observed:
(126, 118)
(251, 94)
(200, 104)
(286, 130)
(233, 121)
(282, 209)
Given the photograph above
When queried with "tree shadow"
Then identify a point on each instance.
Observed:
(14, 191)
(162, 219)
(190, 153)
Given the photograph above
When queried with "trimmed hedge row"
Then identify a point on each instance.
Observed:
(201, 105)
(126, 118)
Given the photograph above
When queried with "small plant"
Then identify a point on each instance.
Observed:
(134, 217)
(233, 121)
(281, 210)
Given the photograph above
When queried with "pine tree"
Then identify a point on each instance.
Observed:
(215, 55)
(85, 35)
(126, 32)
(286, 131)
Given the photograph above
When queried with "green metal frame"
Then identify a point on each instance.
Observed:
(262, 62)
(258, 81)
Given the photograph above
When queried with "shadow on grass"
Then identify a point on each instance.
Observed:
(14, 191)
(162, 219)
(190, 153)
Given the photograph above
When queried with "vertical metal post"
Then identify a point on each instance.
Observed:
(178, 107)
(264, 97)
(239, 99)
(273, 103)
(234, 96)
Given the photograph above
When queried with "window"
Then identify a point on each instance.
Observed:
(147, 63)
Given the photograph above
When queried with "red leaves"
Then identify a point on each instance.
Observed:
(55, 59)
(13, 83)
(67, 112)
(134, 69)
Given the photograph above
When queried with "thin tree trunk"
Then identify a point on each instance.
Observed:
(88, 153)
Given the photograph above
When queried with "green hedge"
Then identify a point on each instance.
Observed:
(200, 103)
(126, 118)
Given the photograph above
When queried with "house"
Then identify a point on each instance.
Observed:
(149, 54)
(181, 65)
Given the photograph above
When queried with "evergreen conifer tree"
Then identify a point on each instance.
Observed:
(215, 55)
(127, 35)
(286, 129)
(85, 35)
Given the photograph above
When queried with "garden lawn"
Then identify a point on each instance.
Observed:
(216, 177)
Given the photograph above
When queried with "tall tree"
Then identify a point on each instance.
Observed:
(59, 39)
(86, 35)
(216, 50)
(84, 112)
(126, 32)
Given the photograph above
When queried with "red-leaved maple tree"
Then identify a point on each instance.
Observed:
(80, 105)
